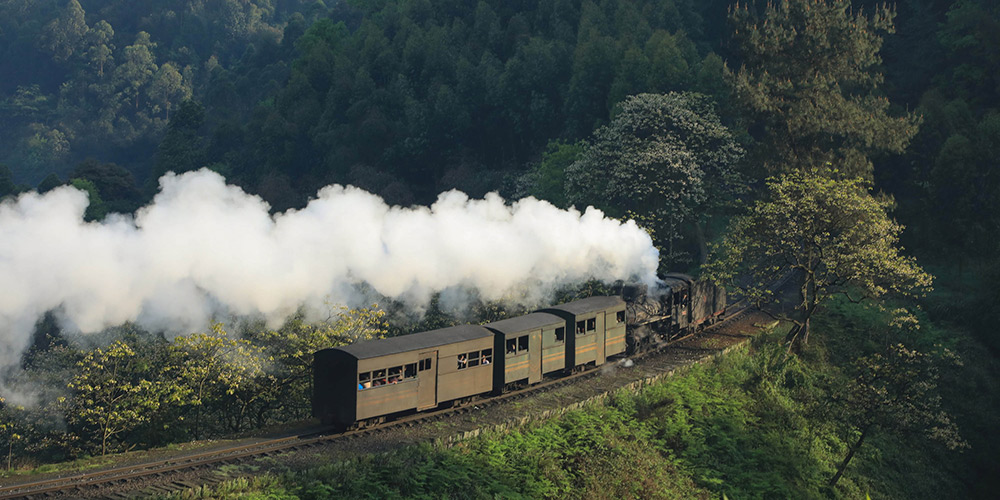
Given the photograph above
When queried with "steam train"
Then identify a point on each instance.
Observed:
(364, 383)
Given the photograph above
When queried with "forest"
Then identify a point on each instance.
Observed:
(854, 142)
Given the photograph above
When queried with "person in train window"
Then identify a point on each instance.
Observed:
(461, 361)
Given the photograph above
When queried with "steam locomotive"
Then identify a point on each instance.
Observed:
(363, 384)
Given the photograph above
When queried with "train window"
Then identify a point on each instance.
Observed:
(364, 380)
(620, 316)
(474, 358)
(395, 374)
(410, 371)
(561, 334)
(511, 347)
(580, 327)
(591, 324)
(522, 344)
(378, 378)
(425, 364)
(487, 356)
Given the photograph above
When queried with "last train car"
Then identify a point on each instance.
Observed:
(366, 381)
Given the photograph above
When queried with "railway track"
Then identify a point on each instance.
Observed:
(163, 471)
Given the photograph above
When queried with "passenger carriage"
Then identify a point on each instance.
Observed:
(528, 347)
(373, 379)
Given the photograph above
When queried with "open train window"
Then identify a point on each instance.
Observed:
(364, 380)
(522, 344)
(591, 324)
(580, 327)
(487, 356)
(473, 358)
(378, 378)
(511, 347)
(410, 371)
(561, 334)
(395, 374)
(620, 317)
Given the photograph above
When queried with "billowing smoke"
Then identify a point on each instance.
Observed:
(204, 247)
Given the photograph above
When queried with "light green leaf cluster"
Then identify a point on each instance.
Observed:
(115, 391)
(829, 230)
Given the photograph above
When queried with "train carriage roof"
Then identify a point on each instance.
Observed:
(531, 321)
(588, 305)
(416, 341)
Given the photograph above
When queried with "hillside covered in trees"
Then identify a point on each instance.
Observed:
(853, 142)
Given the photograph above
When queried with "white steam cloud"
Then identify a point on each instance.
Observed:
(203, 247)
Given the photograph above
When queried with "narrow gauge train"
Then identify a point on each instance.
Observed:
(364, 383)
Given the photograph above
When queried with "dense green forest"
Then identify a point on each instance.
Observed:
(873, 131)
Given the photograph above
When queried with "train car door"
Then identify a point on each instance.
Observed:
(601, 338)
(535, 357)
(427, 380)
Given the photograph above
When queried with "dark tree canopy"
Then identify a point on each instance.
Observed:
(811, 84)
(665, 159)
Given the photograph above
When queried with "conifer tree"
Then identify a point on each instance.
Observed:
(810, 83)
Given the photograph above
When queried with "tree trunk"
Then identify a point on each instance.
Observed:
(699, 233)
(847, 459)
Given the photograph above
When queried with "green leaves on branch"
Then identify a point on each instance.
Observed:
(116, 391)
(831, 231)
(151, 391)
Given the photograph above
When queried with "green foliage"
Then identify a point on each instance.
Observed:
(115, 185)
(547, 179)
(665, 158)
(810, 77)
(96, 209)
(109, 78)
(836, 236)
(224, 374)
(62, 35)
(116, 391)
(180, 150)
(407, 105)
(7, 186)
(49, 183)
